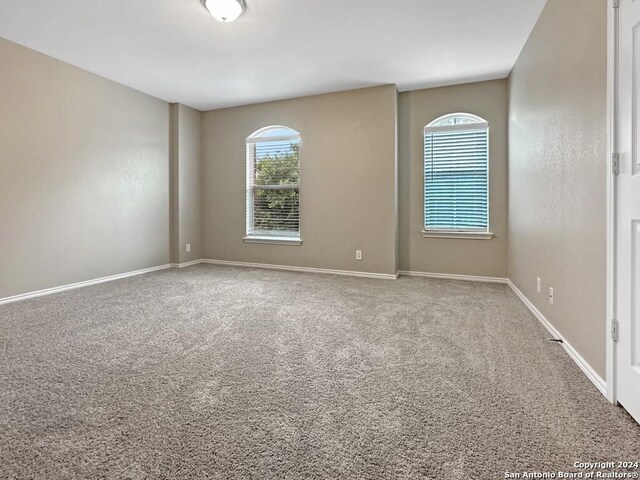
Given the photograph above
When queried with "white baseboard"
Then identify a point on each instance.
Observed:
(581, 362)
(187, 264)
(349, 273)
(447, 276)
(385, 276)
(575, 356)
(110, 278)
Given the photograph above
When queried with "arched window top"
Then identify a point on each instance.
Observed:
(273, 133)
(273, 186)
(457, 121)
(456, 176)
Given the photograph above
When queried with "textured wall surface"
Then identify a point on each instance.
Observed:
(84, 175)
(348, 187)
(186, 188)
(444, 255)
(557, 172)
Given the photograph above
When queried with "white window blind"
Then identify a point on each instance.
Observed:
(456, 174)
(273, 183)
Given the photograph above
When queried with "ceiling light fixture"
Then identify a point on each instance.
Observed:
(225, 10)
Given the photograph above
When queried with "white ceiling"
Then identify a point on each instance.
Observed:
(174, 50)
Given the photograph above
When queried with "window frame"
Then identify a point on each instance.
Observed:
(261, 136)
(476, 123)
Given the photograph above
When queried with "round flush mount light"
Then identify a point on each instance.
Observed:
(225, 10)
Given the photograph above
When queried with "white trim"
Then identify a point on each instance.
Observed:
(461, 127)
(448, 276)
(349, 273)
(467, 235)
(186, 264)
(259, 135)
(273, 240)
(611, 195)
(72, 286)
(600, 384)
(575, 356)
(281, 138)
(250, 161)
(478, 123)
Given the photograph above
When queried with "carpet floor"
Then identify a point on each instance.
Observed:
(223, 372)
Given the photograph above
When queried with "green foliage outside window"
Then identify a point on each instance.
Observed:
(277, 209)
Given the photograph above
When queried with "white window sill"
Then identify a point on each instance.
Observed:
(273, 240)
(454, 234)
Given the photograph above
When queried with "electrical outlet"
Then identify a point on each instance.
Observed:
(188, 247)
(358, 254)
(538, 284)
(551, 295)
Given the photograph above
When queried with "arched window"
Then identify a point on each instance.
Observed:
(456, 175)
(273, 185)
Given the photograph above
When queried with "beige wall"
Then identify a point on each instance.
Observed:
(186, 178)
(347, 180)
(557, 171)
(84, 175)
(443, 255)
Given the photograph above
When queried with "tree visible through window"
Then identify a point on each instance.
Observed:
(273, 183)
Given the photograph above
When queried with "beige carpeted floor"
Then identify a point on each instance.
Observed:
(221, 372)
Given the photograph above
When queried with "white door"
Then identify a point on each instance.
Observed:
(628, 210)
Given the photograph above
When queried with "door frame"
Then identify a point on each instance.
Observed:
(611, 194)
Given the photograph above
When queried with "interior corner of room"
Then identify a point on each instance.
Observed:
(137, 179)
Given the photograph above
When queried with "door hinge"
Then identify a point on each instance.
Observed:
(615, 163)
(614, 330)
(616, 3)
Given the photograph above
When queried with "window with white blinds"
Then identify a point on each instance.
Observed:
(456, 174)
(273, 183)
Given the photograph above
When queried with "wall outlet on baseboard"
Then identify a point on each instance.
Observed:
(188, 247)
(538, 284)
(551, 295)
(358, 254)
